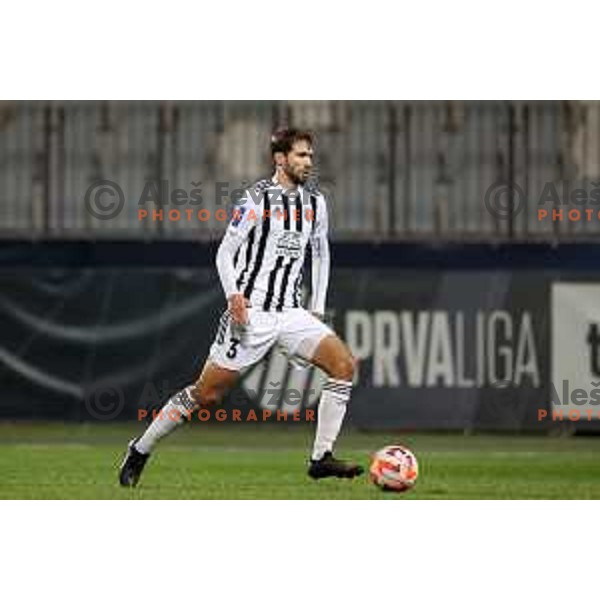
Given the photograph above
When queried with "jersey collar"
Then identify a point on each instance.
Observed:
(299, 188)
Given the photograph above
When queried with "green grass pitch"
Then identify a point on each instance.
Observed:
(243, 461)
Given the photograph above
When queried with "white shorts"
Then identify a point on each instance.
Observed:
(294, 329)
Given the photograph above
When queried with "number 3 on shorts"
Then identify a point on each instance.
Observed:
(231, 353)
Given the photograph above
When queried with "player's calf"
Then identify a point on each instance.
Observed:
(211, 386)
(208, 390)
(342, 366)
(172, 414)
(335, 358)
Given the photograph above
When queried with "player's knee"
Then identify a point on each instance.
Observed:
(343, 367)
(205, 396)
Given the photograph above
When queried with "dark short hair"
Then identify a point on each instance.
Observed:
(283, 140)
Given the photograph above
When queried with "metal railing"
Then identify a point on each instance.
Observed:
(391, 170)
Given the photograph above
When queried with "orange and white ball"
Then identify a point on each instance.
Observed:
(394, 468)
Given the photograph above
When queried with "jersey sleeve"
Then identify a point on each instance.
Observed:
(244, 218)
(319, 241)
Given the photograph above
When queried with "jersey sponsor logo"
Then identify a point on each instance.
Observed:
(289, 244)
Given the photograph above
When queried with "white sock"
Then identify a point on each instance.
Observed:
(332, 408)
(171, 415)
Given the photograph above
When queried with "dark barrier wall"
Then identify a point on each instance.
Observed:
(447, 337)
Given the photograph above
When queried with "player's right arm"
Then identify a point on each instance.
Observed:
(235, 235)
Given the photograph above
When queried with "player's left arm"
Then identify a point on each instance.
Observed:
(321, 259)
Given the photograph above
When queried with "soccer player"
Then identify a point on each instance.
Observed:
(260, 262)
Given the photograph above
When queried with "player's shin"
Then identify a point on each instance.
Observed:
(332, 408)
(171, 416)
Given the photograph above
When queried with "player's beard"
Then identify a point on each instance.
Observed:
(297, 178)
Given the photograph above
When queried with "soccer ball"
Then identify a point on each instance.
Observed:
(394, 468)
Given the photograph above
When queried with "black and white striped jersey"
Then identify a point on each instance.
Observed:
(263, 249)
